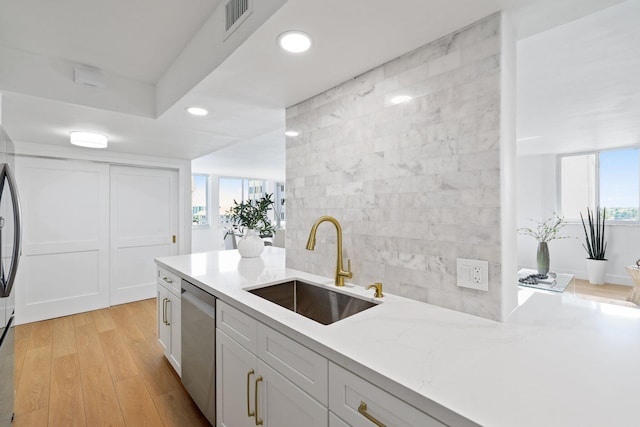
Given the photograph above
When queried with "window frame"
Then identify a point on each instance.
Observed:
(559, 158)
(207, 202)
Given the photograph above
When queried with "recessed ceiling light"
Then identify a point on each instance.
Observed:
(197, 111)
(399, 99)
(292, 133)
(88, 139)
(294, 41)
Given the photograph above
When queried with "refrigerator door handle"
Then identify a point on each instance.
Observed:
(6, 173)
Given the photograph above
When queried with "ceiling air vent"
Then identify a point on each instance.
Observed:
(236, 12)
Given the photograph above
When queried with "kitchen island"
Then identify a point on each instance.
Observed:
(557, 361)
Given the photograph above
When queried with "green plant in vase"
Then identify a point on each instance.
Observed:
(544, 232)
(252, 215)
(595, 245)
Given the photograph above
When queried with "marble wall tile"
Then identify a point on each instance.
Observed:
(415, 185)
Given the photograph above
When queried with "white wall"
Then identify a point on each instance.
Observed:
(537, 191)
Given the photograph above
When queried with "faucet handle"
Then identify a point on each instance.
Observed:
(348, 274)
(378, 287)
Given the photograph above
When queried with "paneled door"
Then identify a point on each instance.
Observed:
(65, 254)
(144, 224)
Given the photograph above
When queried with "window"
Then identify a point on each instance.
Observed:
(200, 199)
(238, 189)
(609, 179)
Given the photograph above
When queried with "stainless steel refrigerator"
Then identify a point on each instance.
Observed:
(10, 234)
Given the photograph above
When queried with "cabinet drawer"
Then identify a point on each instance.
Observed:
(169, 280)
(348, 392)
(303, 367)
(237, 325)
(334, 421)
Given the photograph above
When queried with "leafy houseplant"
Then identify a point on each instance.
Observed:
(252, 215)
(595, 244)
(544, 232)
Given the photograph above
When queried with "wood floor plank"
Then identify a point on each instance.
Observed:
(38, 418)
(136, 403)
(177, 409)
(82, 319)
(21, 342)
(66, 406)
(64, 337)
(145, 321)
(102, 319)
(101, 403)
(119, 361)
(89, 349)
(150, 307)
(158, 374)
(34, 387)
(125, 324)
(41, 334)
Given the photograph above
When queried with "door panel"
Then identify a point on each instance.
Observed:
(144, 219)
(65, 263)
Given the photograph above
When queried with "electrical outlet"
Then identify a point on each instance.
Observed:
(477, 275)
(473, 274)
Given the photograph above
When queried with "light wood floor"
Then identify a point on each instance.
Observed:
(610, 293)
(100, 368)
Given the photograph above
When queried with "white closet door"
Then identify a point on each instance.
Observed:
(65, 257)
(144, 221)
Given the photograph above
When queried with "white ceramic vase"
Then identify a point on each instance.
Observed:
(596, 269)
(250, 245)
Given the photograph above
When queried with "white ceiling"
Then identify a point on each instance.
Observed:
(579, 84)
(135, 39)
(148, 48)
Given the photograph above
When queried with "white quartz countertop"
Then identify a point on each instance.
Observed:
(557, 361)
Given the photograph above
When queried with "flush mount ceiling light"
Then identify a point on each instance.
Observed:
(292, 133)
(294, 41)
(399, 99)
(88, 139)
(197, 111)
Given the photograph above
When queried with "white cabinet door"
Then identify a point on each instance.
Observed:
(144, 221)
(173, 319)
(164, 330)
(65, 254)
(235, 383)
(282, 404)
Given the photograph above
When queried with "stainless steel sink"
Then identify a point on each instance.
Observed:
(317, 303)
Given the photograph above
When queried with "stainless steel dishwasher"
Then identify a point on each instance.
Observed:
(199, 348)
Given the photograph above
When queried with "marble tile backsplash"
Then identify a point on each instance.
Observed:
(415, 185)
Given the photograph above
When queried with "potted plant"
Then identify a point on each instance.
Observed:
(252, 215)
(595, 245)
(544, 232)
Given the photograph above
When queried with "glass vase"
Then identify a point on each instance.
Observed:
(543, 258)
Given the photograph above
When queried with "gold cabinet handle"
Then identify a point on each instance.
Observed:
(250, 413)
(363, 410)
(169, 307)
(164, 311)
(167, 279)
(258, 420)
